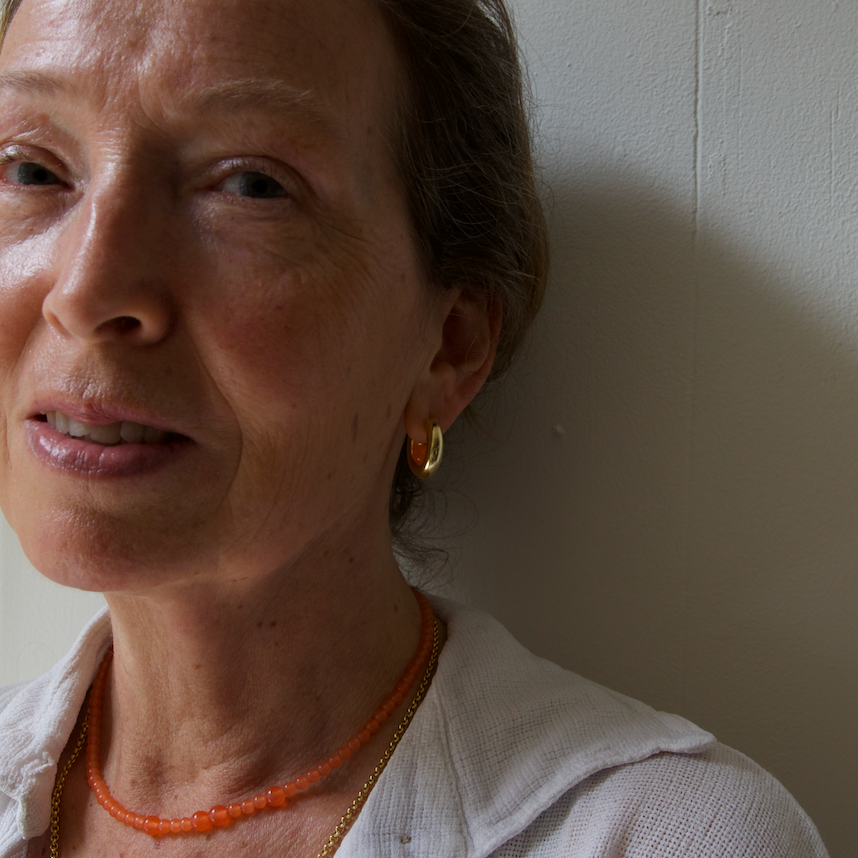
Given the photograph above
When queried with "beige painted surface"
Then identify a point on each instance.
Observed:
(672, 509)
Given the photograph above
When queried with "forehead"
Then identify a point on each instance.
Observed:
(335, 58)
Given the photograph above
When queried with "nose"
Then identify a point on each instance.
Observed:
(109, 281)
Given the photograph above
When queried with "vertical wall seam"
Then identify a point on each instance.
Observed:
(692, 360)
(696, 132)
(695, 226)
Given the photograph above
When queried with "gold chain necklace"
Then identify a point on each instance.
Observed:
(348, 817)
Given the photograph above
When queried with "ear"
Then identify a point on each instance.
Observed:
(469, 329)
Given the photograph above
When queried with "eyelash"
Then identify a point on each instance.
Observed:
(285, 178)
(15, 154)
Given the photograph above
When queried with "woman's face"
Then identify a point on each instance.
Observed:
(201, 232)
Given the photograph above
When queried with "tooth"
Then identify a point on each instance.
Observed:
(62, 423)
(78, 430)
(51, 417)
(153, 436)
(106, 434)
(131, 432)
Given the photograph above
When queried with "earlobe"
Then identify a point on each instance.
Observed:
(469, 330)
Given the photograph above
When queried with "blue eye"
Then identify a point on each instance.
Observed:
(252, 184)
(29, 173)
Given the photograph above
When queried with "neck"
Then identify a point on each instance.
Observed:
(222, 688)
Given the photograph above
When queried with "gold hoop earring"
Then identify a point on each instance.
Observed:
(434, 450)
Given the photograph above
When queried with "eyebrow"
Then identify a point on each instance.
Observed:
(248, 94)
(33, 82)
(265, 93)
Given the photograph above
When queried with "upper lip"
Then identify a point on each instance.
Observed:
(99, 413)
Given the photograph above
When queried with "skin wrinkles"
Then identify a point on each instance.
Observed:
(234, 106)
(317, 249)
(291, 341)
(222, 97)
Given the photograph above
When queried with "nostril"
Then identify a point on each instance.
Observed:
(92, 312)
(120, 324)
(126, 323)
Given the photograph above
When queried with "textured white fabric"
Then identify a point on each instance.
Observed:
(508, 756)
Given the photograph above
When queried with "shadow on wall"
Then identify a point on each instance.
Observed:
(673, 509)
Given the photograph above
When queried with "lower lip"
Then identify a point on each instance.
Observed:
(75, 455)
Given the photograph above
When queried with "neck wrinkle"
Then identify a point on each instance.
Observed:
(211, 700)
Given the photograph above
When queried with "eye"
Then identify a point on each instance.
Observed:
(250, 183)
(28, 173)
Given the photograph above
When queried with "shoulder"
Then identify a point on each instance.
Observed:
(546, 763)
(707, 805)
(500, 737)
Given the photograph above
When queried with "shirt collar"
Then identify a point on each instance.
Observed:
(36, 721)
(500, 737)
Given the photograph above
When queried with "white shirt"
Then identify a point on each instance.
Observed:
(508, 756)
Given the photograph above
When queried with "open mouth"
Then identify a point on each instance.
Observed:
(108, 435)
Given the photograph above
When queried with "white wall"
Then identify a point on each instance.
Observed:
(38, 619)
(672, 511)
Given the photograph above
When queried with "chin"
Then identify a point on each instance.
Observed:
(95, 552)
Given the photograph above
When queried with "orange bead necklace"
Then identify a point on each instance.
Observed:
(277, 796)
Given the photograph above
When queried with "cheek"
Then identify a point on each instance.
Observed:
(309, 323)
(21, 267)
(21, 297)
(262, 342)
(317, 365)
